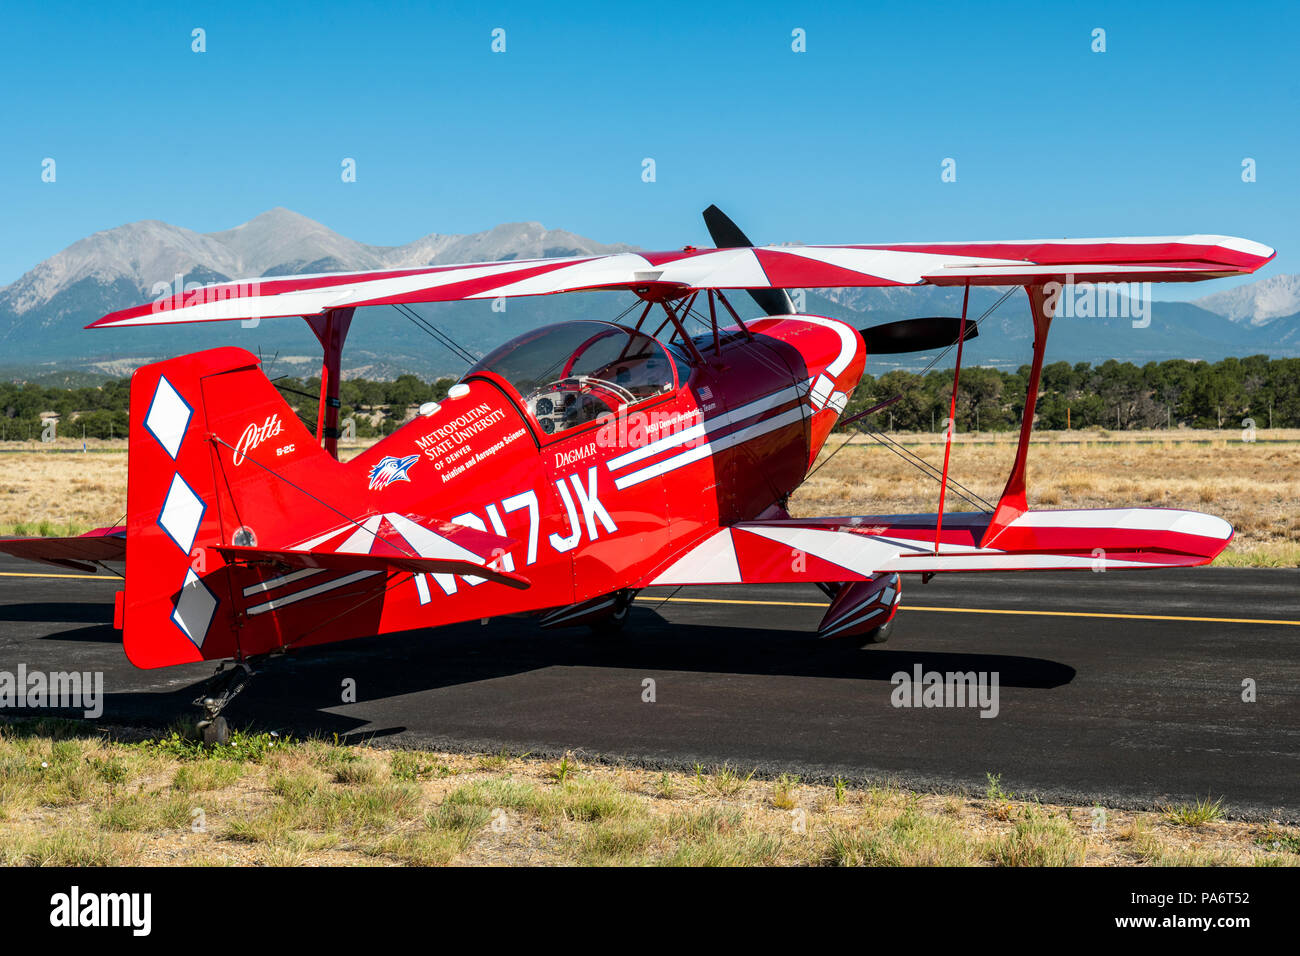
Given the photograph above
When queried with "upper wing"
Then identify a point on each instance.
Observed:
(852, 549)
(1018, 262)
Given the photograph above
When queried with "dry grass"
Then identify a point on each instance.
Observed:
(71, 796)
(1255, 486)
(56, 489)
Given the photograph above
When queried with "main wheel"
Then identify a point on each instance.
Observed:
(612, 624)
(877, 635)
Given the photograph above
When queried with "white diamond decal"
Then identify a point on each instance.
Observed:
(181, 514)
(195, 606)
(168, 417)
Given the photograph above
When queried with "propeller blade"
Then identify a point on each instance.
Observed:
(727, 235)
(915, 335)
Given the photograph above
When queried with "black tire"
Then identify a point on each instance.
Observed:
(611, 625)
(879, 635)
(216, 732)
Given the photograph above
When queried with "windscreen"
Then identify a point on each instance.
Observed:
(572, 373)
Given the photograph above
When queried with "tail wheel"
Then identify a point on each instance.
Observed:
(215, 731)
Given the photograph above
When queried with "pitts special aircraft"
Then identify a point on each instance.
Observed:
(580, 462)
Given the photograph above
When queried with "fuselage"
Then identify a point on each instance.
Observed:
(657, 449)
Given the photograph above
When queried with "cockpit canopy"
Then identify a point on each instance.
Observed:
(573, 373)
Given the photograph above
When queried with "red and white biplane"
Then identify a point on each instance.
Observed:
(580, 462)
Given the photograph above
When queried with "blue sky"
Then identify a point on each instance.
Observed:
(842, 143)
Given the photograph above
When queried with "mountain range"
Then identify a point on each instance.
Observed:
(42, 314)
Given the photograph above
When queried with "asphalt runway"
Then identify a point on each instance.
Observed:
(1118, 688)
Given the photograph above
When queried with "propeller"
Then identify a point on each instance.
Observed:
(907, 335)
(915, 335)
(727, 235)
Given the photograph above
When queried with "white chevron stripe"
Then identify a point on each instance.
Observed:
(704, 451)
(363, 539)
(904, 268)
(712, 424)
(599, 271)
(427, 544)
(313, 301)
(857, 553)
(713, 561)
(277, 603)
(272, 583)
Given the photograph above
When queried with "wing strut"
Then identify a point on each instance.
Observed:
(952, 418)
(331, 329)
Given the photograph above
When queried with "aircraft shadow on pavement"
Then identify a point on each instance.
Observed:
(300, 692)
(61, 613)
(94, 634)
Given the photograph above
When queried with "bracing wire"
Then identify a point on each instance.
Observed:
(909, 456)
(437, 334)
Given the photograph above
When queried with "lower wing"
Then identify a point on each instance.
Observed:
(856, 548)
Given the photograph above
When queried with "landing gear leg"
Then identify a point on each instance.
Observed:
(225, 685)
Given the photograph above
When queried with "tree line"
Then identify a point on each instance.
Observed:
(1112, 395)
(374, 408)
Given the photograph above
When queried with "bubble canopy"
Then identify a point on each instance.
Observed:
(570, 374)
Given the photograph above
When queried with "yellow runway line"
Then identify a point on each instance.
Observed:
(904, 607)
(37, 574)
(986, 610)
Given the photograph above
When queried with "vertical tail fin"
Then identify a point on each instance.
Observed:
(215, 453)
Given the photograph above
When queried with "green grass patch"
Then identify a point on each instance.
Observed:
(243, 747)
(69, 846)
(1279, 842)
(909, 838)
(1038, 841)
(1196, 814)
(722, 782)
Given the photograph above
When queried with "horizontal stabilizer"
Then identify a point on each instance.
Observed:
(81, 553)
(344, 562)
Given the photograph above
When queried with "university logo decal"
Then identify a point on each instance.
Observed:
(391, 469)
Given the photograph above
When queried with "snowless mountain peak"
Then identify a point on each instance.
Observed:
(1257, 303)
(139, 255)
